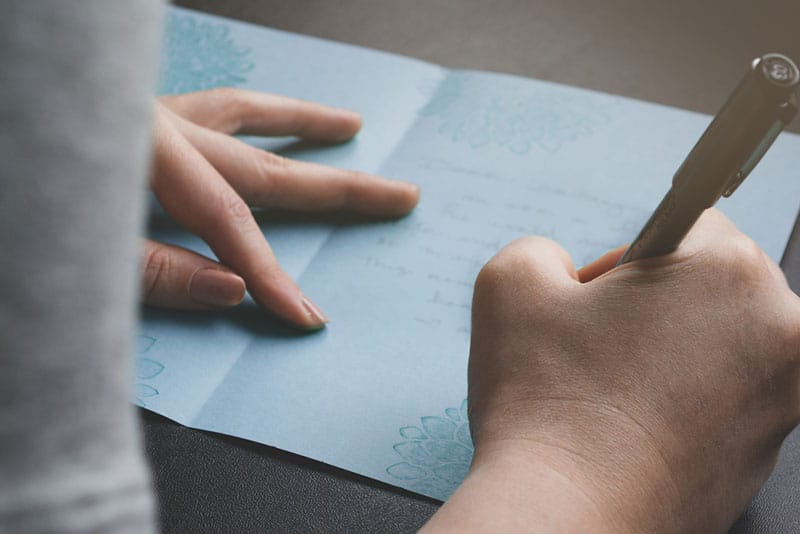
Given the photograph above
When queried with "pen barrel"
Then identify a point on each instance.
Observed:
(741, 132)
(761, 105)
(665, 229)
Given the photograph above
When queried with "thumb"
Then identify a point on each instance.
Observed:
(601, 265)
(173, 277)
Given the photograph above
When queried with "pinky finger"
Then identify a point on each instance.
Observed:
(176, 278)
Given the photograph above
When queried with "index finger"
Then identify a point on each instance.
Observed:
(192, 191)
(239, 111)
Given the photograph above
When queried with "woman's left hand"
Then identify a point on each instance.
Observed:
(207, 180)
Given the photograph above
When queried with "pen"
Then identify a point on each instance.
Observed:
(763, 103)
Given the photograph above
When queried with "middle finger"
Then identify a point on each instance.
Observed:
(266, 180)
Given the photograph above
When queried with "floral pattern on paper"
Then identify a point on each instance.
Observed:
(520, 120)
(201, 55)
(146, 369)
(435, 454)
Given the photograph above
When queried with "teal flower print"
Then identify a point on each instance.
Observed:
(146, 369)
(519, 119)
(201, 55)
(436, 454)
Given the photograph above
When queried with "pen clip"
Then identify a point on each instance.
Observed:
(785, 112)
(737, 179)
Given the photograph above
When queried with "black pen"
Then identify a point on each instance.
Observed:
(763, 103)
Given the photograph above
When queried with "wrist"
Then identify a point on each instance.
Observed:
(618, 464)
(519, 488)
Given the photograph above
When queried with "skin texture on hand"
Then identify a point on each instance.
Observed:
(207, 181)
(650, 397)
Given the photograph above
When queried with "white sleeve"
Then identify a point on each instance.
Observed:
(76, 85)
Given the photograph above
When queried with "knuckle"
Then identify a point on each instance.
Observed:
(275, 275)
(231, 103)
(349, 187)
(225, 95)
(263, 165)
(522, 252)
(236, 211)
(490, 276)
(157, 263)
(269, 171)
(500, 270)
(745, 262)
(748, 251)
(522, 274)
(270, 161)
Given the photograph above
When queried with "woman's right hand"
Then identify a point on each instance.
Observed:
(649, 397)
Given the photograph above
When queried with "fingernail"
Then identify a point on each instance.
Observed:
(414, 188)
(319, 319)
(216, 288)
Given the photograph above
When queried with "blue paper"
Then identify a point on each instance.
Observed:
(381, 390)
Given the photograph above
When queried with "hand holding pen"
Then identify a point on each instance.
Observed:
(638, 400)
(763, 103)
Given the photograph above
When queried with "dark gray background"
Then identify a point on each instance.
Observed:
(685, 53)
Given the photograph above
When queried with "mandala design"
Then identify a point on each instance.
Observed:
(146, 369)
(201, 55)
(436, 454)
(519, 121)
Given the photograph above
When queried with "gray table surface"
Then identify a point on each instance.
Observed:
(684, 53)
